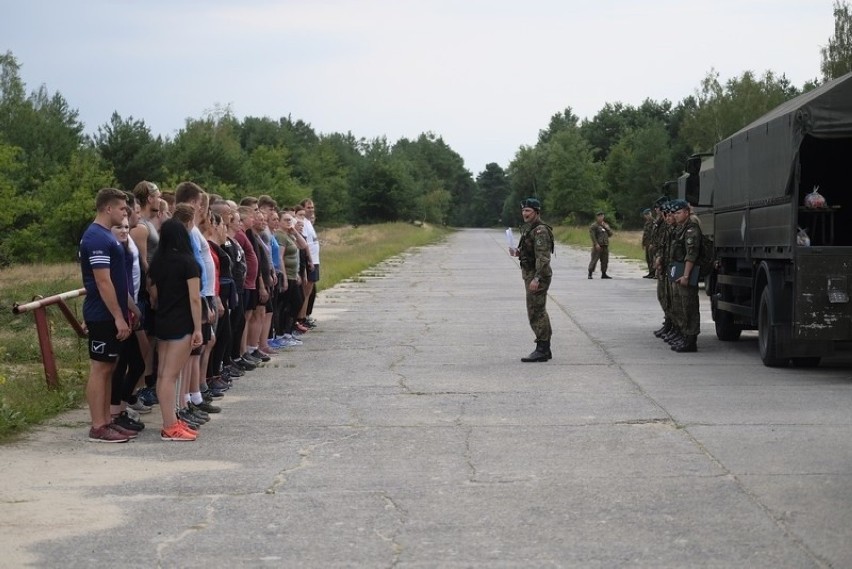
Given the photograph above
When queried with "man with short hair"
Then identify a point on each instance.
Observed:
(533, 252)
(105, 310)
(600, 233)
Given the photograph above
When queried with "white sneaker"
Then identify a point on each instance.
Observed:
(139, 407)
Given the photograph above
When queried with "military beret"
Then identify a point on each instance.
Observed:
(645, 211)
(600, 213)
(677, 205)
(661, 200)
(532, 202)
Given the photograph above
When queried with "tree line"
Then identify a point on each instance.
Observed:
(616, 161)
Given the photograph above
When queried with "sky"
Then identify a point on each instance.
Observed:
(484, 75)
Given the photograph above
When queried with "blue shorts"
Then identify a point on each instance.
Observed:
(314, 275)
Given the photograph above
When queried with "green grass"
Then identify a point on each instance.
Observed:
(25, 399)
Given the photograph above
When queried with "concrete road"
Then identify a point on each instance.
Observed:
(407, 433)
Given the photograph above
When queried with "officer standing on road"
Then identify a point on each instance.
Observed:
(534, 250)
(686, 246)
(600, 233)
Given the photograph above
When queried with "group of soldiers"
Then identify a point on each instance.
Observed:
(673, 244)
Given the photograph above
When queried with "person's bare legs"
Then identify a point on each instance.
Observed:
(173, 357)
(98, 391)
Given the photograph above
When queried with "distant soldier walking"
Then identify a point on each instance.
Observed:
(534, 250)
(600, 233)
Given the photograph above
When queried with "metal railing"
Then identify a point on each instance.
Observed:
(38, 307)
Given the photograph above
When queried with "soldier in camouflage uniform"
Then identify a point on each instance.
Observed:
(647, 231)
(534, 250)
(659, 247)
(600, 233)
(686, 246)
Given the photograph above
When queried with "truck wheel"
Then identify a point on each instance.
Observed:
(726, 330)
(767, 339)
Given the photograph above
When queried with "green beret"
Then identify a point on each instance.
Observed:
(531, 202)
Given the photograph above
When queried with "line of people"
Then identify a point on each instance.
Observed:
(185, 293)
(674, 246)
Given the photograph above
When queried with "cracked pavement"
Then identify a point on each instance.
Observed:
(407, 433)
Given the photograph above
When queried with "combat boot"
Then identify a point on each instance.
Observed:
(667, 326)
(590, 274)
(540, 354)
(674, 338)
(690, 344)
(605, 276)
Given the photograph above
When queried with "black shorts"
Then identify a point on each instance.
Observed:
(103, 344)
(250, 296)
(314, 275)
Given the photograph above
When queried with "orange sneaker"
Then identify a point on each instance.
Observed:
(177, 432)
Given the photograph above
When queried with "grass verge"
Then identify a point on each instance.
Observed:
(25, 399)
(622, 243)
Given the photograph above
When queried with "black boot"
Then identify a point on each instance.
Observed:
(605, 276)
(590, 275)
(663, 330)
(673, 338)
(540, 354)
(690, 344)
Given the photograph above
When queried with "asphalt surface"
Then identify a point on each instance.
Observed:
(407, 433)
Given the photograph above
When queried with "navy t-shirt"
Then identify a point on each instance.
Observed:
(99, 249)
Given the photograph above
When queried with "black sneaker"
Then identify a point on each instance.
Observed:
(247, 357)
(244, 365)
(124, 421)
(202, 415)
(234, 372)
(187, 417)
(261, 356)
(208, 407)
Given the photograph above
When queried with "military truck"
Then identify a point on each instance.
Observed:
(768, 277)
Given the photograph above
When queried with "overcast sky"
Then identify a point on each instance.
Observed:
(486, 75)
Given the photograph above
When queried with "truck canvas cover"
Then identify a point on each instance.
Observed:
(757, 165)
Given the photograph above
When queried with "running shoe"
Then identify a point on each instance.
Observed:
(208, 407)
(148, 396)
(106, 435)
(140, 407)
(177, 432)
(261, 356)
(125, 421)
(122, 431)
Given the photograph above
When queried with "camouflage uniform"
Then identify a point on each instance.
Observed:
(686, 246)
(534, 249)
(659, 250)
(647, 233)
(600, 236)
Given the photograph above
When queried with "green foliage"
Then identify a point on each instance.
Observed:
(720, 111)
(492, 190)
(837, 55)
(129, 149)
(636, 165)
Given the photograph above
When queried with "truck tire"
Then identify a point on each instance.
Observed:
(726, 330)
(767, 339)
